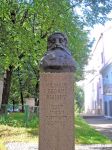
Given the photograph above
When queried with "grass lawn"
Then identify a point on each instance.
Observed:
(2, 147)
(13, 129)
(18, 120)
(8, 134)
(85, 134)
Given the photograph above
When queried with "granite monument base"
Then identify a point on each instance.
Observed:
(56, 111)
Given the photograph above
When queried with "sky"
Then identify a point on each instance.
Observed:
(98, 29)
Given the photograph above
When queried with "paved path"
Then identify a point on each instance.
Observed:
(102, 125)
(34, 146)
(21, 146)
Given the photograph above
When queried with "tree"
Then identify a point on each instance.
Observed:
(79, 99)
(25, 27)
(92, 11)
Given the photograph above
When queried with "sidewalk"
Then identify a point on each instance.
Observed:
(34, 146)
(101, 124)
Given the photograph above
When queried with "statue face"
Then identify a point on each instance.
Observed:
(57, 40)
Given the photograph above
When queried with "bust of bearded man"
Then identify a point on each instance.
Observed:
(57, 58)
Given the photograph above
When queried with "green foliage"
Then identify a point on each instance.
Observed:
(14, 92)
(18, 120)
(13, 120)
(92, 11)
(87, 135)
(79, 99)
(25, 26)
(24, 31)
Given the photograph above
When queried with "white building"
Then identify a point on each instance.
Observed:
(101, 59)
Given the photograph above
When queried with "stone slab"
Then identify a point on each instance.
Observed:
(56, 111)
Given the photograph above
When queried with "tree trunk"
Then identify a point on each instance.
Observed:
(13, 105)
(21, 91)
(22, 101)
(37, 94)
(6, 87)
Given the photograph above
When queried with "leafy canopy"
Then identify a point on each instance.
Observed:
(26, 24)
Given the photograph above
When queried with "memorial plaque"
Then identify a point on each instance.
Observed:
(56, 111)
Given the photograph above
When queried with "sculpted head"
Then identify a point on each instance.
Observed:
(57, 58)
(57, 40)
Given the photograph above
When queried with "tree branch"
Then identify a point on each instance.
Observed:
(13, 16)
(25, 16)
(46, 33)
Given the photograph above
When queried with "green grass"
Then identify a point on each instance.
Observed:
(13, 128)
(18, 134)
(87, 135)
(19, 120)
(2, 147)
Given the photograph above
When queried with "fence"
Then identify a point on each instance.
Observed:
(12, 115)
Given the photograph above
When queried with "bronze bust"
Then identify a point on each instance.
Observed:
(57, 58)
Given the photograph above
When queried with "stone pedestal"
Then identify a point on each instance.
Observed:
(57, 96)
(56, 111)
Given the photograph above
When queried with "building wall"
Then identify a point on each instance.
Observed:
(30, 102)
(93, 97)
(101, 56)
(107, 89)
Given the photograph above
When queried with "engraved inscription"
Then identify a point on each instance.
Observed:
(56, 111)
(55, 97)
(56, 114)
